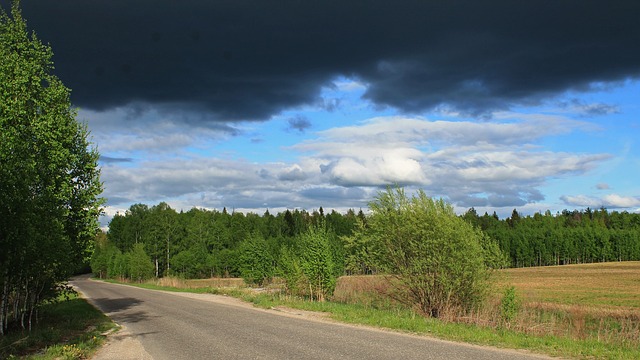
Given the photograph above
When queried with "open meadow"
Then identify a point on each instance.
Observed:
(604, 286)
(598, 302)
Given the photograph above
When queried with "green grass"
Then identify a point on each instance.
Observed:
(68, 329)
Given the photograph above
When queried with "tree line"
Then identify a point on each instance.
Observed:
(210, 243)
(567, 237)
(439, 261)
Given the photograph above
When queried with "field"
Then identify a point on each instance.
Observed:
(200, 283)
(599, 302)
(605, 286)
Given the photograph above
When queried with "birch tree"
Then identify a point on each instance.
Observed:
(49, 178)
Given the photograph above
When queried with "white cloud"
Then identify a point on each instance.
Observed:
(618, 201)
(384, 133)
(123, 130)
(292, 173)
(613, 201)
(374, 168)
(349, 85)
(494, 163)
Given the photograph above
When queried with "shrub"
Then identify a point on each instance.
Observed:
(312, 266)
(441, 262)
(509, 305)
(140, 265)
(255, 261)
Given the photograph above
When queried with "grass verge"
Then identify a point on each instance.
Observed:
(67, 329)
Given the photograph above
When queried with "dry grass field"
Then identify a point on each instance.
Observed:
(603, 286)
(590, 301)
(200, 283)
(610, 286)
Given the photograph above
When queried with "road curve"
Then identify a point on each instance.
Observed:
(177, 326)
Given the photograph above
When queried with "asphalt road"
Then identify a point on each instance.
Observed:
(197, 326)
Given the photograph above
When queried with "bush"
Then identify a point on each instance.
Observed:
(441, 262)
(140, 265)
(313, 265)
(255, 261)
(509, 306)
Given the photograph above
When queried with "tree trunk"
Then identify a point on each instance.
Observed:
(3, 305)
(168, 266)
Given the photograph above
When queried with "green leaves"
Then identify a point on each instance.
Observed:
(257, 264)
(140, 265)
(49, 177)
(438, 258)
(312, 266)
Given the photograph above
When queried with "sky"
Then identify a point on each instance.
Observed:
(256, 105)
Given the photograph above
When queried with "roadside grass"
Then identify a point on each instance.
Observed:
(176, 284)
(68, 329)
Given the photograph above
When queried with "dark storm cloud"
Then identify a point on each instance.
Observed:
(299, 123)
(114, 160)
(595, 109)
(248, 60)
(354, 195)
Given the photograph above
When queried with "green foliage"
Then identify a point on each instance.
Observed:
(140, 265)
(291, 271)
(313, 265)
(569, 237)
(208, 243)
(509, 305)
(255, 260)
(49, 177)
(227, 262)
(361, 253)
(103, 255)
(318, 262)
(109, 262)
(120, 265)
(437, 257)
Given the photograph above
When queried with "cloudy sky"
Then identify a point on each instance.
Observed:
(252, 105)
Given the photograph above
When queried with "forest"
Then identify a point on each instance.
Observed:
(567, 237)
(205, 243)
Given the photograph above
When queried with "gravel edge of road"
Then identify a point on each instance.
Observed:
(120, 343)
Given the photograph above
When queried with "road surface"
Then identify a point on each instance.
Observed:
(163, 325)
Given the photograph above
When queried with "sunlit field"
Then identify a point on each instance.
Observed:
(590, 301)
(604, 286)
